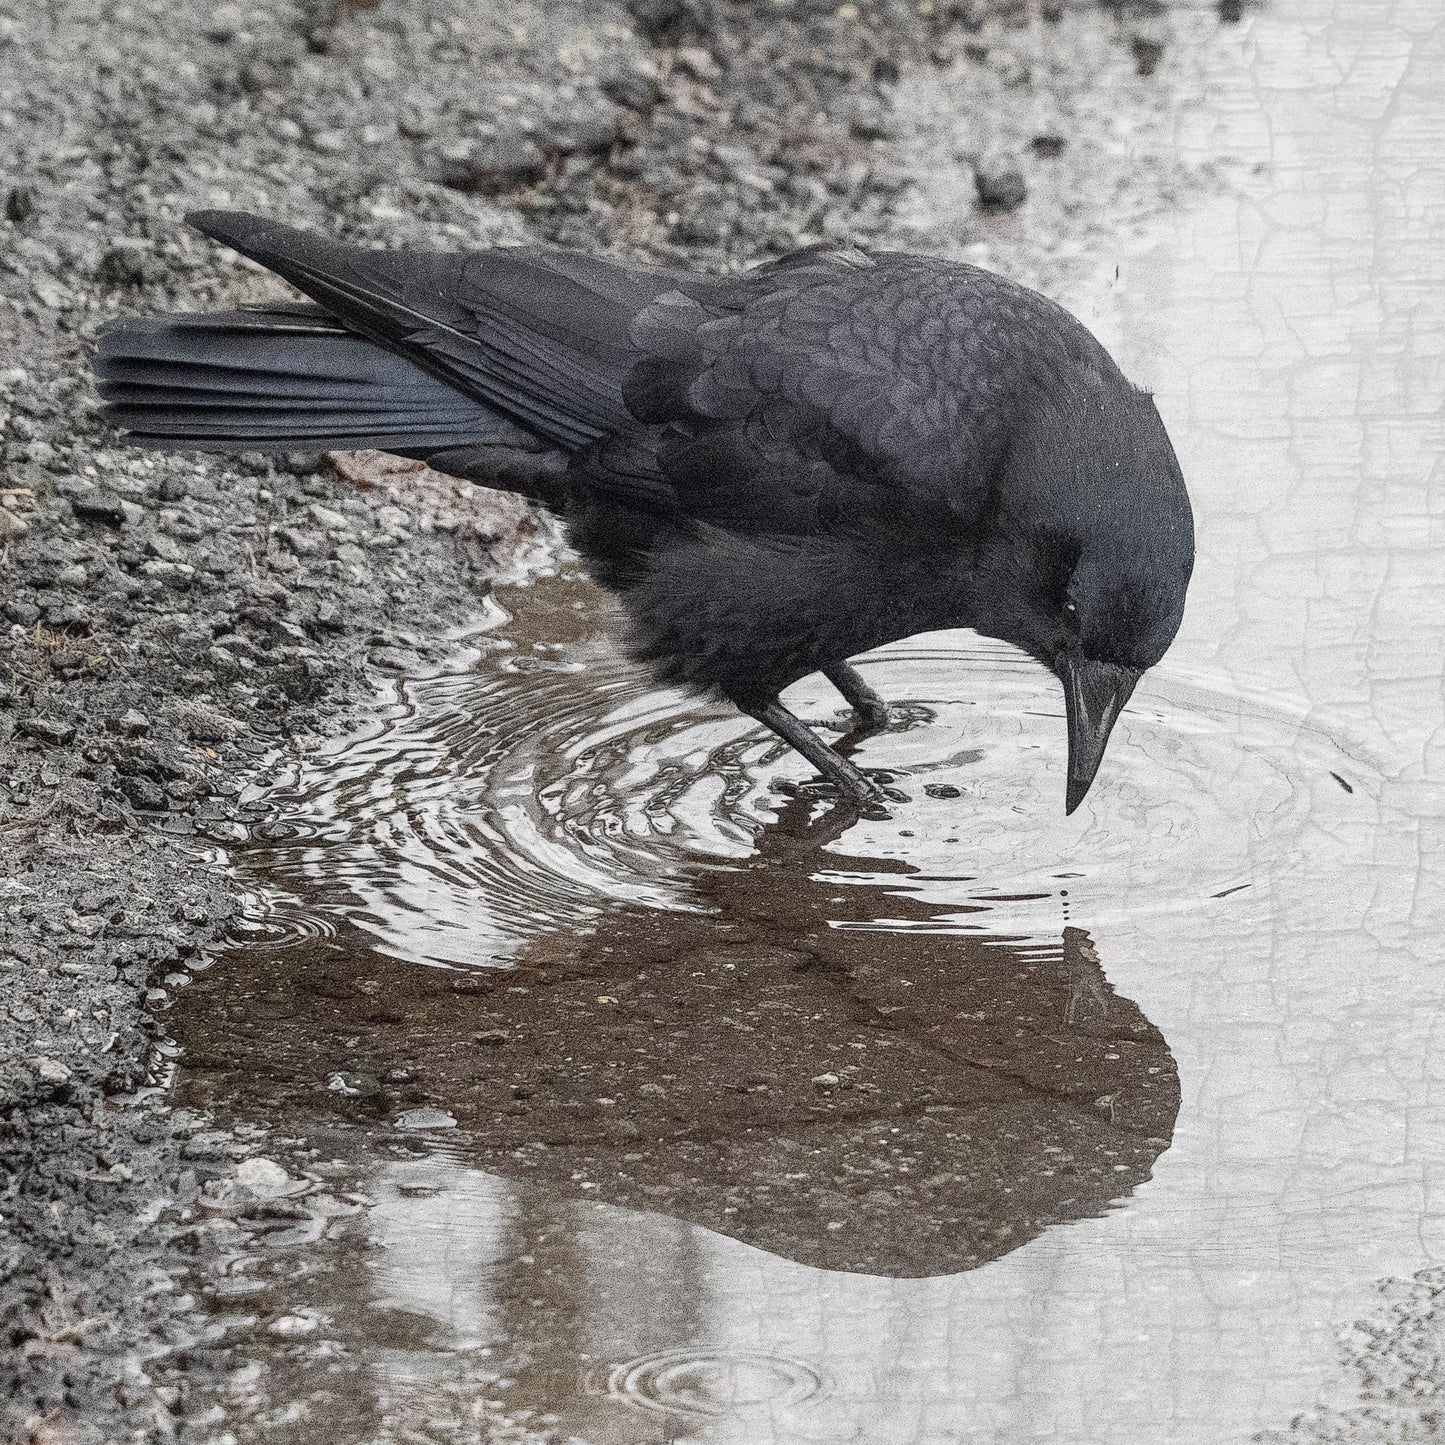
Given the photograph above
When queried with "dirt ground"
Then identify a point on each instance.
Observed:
(170, 625)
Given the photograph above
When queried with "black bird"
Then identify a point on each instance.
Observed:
(776, 471)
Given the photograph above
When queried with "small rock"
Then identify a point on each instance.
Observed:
(332, 520)
(1048, 145)
(51, 294)
(1000, 185)
(145, 794)
(128, 263)
(869, 120)
(293, 1326)
(73, 576)
(587, 132)
(12, 528)
(1147, 54)
(425, 1119)
(51, 1071)
(942, 790)
(698, 62)
(133, 724)
(224, 663)
(366, 1086)
(51, 730)
(393, 519)
(628, 86)
(99, 506)
(172, 574)
(491, 166)
(19, 205)
(393, 659)
(826, 1081)
(265, 1178)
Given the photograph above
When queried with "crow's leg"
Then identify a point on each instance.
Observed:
(870, 712)
(837, 769)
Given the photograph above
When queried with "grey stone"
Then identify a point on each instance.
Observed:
(490, 167)
(99, 505)
(1000, 184)
(133, 723)
(145, 794)
(54, 731)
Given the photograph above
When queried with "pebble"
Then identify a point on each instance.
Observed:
(133, 723)
(12, 528)
(942, 790)
(632, 87)
(52, 730)
(173, 574)
(587, 132)
(129, 262)
(1000, 185)
(99, 506)
(332, 520)
(145, 794)
(74, 576)
(425, 1119)
(265, 1178)
(293, 1326)
(51, 1071)
(491, 166)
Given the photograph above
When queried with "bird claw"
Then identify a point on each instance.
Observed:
(902, 716)
(809, 788)
(872, 804)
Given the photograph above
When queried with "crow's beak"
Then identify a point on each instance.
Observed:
(1094, 696)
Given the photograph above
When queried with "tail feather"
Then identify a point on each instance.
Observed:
(282, 378)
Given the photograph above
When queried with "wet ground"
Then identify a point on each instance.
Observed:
(625, 1088)
(169, 622)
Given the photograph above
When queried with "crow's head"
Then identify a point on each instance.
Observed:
(1097, 546)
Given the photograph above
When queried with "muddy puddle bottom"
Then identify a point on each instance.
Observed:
(626, 1099)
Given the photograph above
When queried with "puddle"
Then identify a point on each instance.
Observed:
(550, 782)
(677, 1112)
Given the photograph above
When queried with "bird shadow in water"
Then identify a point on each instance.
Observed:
(807, 1066)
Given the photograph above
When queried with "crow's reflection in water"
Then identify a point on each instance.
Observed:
(783, 1069)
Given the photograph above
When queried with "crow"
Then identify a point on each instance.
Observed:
(775, 471)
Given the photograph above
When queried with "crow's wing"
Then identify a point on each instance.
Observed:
(833, 387)
(542, 336)
(821, 390)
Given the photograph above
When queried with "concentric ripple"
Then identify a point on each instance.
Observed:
(551, 778)
(704, 1383)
